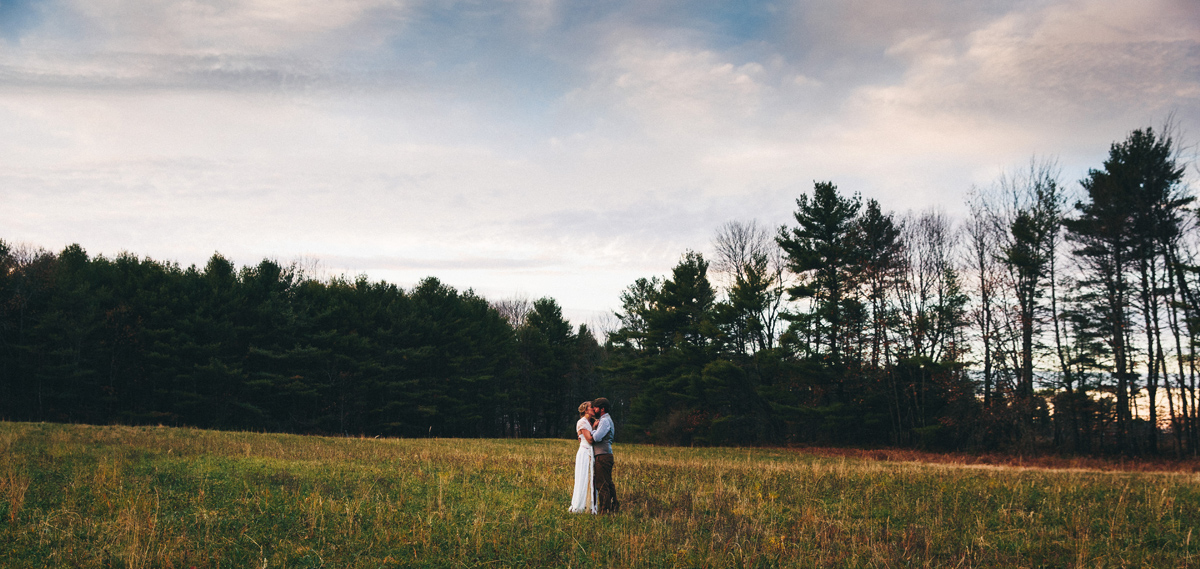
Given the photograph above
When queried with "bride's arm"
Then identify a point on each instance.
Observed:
(587, 434)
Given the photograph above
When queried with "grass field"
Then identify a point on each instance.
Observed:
(159, 497)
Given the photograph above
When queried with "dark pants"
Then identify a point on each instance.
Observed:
(606, 492)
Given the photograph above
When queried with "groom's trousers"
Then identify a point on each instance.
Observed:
(606, 492)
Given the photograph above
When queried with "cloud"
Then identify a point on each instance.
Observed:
(231, 45)
(1080, 58)
(556, 148)
(435, 264)
(670, 89)
(1058, 79)
(244, 27)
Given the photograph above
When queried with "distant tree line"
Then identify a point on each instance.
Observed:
(1042, 321)
(1030, 325)
(136, 341)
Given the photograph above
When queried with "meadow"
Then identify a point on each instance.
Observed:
(111, 496)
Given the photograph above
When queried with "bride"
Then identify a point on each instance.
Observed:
(583, 499)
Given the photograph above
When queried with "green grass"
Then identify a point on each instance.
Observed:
(159, 497)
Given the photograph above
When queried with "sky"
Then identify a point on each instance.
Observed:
(530, 148)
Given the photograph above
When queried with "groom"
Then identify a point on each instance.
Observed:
(606, 492)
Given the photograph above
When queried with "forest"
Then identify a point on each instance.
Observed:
(1056, 317)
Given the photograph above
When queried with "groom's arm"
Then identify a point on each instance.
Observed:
(603, 430)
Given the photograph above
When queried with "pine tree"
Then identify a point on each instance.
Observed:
(823, 251)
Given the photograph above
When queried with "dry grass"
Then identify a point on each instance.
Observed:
(155, 497)
(1100, 464)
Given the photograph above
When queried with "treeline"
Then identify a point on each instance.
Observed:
(1034, 324)
(136, 341)
(1055, 317)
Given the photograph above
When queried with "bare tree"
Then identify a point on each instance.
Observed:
(736, 244)
(603, 325)
(751, 265)
(930, 314)
(930, 287)
(514, 309)
(982, 255)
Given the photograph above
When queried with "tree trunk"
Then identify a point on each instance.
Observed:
(1153, 346)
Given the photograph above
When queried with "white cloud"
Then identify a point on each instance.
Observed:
(1061, 63)
(675, 86)
(250, 27)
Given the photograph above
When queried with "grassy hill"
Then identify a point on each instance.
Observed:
(158, 497)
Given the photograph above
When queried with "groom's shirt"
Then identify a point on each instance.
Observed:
(603, 436)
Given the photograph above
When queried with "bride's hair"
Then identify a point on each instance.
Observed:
(583, 407)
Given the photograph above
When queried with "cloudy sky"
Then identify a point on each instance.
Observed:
(544, 147)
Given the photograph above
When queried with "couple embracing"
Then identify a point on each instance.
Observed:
(594, 489)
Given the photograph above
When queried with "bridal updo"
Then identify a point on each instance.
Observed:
(583, 408)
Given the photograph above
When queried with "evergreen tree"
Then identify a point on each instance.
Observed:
(824, 252)
(661, 365)
(1130, 204)
(882, 264)
(545, 344)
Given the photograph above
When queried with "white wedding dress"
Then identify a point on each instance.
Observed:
(583, 499)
